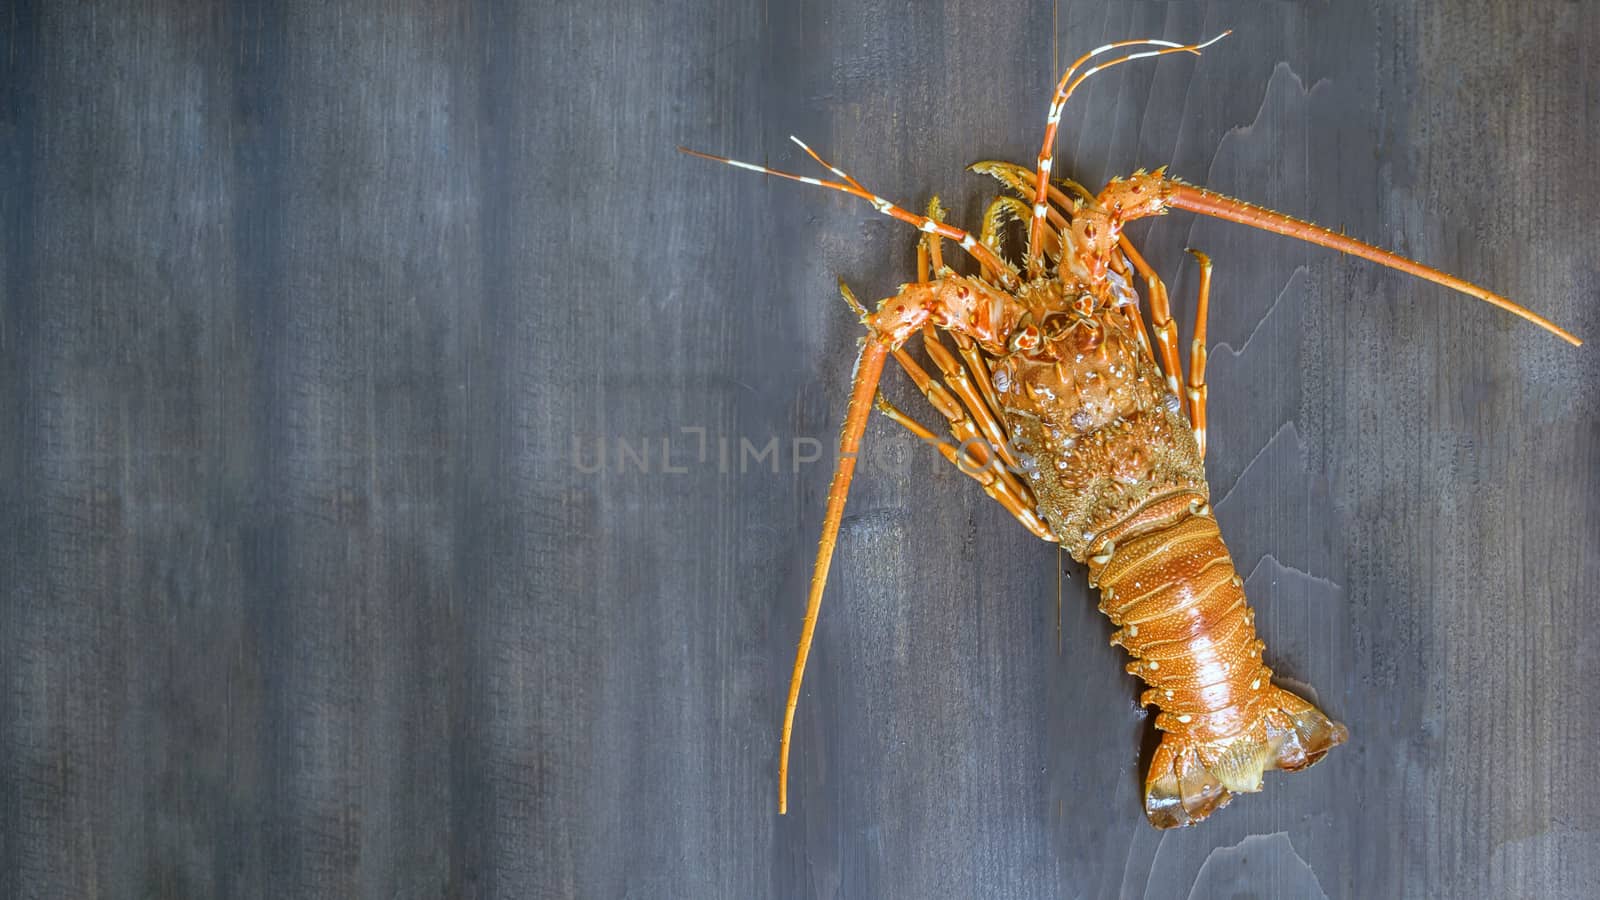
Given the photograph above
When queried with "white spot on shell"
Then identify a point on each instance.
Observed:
(1186, 718)
(1154, 665)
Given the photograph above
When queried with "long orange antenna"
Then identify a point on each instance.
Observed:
(1207, 203)
(869, 368)
(1064, 90)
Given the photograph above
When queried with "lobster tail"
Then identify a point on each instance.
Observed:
(1168, 583)
(1189, 780)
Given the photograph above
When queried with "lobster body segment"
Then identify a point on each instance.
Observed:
(1167, 582)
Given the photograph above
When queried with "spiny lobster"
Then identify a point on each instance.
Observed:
(1087, 431)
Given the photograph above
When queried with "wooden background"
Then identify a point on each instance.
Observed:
(316, 323)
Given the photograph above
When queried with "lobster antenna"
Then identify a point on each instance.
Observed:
(1064, 90)
(864, 387)
(1207, 203)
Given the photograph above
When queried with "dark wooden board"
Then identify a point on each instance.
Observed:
(315, 319)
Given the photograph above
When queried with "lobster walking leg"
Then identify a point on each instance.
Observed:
(1160, 317)
(965, 429)
(1124, 269)
(975, 451)
(980, 371)
(995, 480)
(955, 376)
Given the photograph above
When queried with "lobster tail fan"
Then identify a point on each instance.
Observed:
(1301, 733)
(1178, 790)
(1188, 781)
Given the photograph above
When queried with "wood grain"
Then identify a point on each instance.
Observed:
(315, 320)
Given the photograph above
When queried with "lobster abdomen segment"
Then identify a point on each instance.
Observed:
(1181, 612)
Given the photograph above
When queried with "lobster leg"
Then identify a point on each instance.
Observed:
(1161, 322)
(984, 407)
(980, 371)
(961, 425)
(1197, 355)
(965, 430)
(975, 452)
(981, 435)
(1123, 268)
(955, 377)
(996, 481)
(977, 400)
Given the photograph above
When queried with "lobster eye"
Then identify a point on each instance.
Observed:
(1025, 338)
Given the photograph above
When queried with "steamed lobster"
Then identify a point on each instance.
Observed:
(1087, 431)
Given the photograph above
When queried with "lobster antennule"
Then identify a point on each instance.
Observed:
(979, 252)
(864, 387)
(1207, 203)
(1064, 89)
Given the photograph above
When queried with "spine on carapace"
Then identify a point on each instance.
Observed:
(1179, 606)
